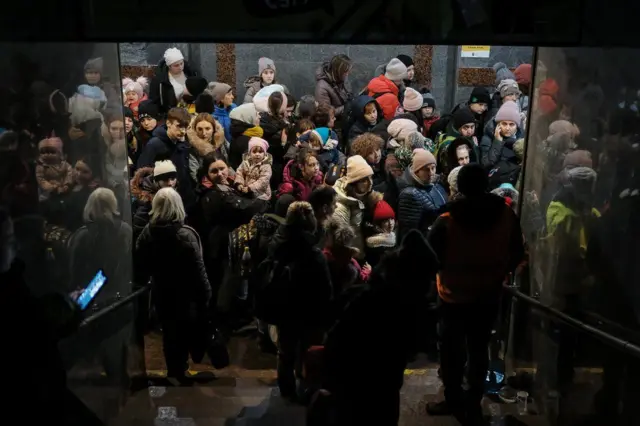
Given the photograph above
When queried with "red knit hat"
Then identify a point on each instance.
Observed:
(383, 211)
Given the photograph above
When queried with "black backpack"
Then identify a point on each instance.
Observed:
(439, 127)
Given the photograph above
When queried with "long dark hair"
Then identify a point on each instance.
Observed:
(207, 161)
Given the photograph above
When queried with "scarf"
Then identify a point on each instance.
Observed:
(254, 132)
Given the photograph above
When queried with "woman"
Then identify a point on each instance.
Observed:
(245, 124)
(330, 87)
(205, 135)
(86, 181)
(301, 176)
(169, 83)
(104, 243)
(171, 253)
(356, 199)
(275, 132)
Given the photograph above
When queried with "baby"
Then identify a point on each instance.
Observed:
(254, 174)
(134, 93)
(54, 174)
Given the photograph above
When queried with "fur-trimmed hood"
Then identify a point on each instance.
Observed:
(142, 185)
(202, 146)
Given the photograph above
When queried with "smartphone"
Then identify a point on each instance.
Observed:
(90, 292)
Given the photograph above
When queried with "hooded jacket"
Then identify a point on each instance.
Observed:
(386, 94)
(295, 186)
(452, 157)
(478, 243)
(360, 125)
(418, 204)
(161, 91)
(256, 176)
(499, 157)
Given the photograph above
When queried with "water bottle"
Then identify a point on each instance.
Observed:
(245, 271)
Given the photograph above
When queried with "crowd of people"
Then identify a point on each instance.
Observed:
(334, 218)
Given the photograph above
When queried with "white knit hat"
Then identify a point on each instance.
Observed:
(396, 70)
(172, 55)
(357, 169)
(164, 170)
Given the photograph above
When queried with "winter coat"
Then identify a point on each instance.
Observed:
(498, 157)
(419, 204)
(171, 254)
(143, 188)
(272, 127)
(292, 183)
(452, 156)
(256, 176)
(351, 211)
(330, 92)
(310, 274)
(161, 91)
(54, 176)
(222, 116)
(478, 243)
(378, 245)
(360, 125)
(386, 93)
(253, 85)
(239, 143)
(160, 147)
(201, 147)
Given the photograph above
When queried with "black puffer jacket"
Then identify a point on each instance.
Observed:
(239, 144)
(161, 91)
(171, 254)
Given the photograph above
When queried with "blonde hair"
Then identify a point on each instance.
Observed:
(167, 206)
(101, 204)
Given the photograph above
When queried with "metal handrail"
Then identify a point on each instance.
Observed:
(115, 306)
(620, 344)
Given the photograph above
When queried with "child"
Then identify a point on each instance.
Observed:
(324, 142)
(384, 236)
(254, 174)
(134, 93)
(54, 174)
(429, 113)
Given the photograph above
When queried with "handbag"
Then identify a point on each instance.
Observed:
(208, 340)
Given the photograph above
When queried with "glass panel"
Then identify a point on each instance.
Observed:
(64, 171)
(580, 213)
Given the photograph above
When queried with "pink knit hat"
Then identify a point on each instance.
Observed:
(258, 142)
(53, 142)
(412, 100)
(509, 111)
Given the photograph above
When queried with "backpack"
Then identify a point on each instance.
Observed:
(439, 127)
(275, 292)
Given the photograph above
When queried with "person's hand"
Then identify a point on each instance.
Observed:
(283, 137)
(75, 294)
(75, 133)
(497, 134)
(367, 268)
(475, 140)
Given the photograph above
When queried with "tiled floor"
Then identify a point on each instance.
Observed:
(245, 394)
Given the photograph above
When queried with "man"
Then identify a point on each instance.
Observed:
(169, 143)
(323, 201)
(478, 243)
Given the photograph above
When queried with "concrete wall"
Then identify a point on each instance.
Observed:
(296, 63)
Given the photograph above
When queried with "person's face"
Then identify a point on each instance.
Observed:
(257, 154)
(374, 158)
(204, 130)
(427, 173)
(330, 209)
(363, 186)
(116, 130)
(427, 112)
(176, 68)
(462, 153)
(131, 96)
(218, 172)
(288, 113)
(371, 114)
(148, 123)
(92, 77)
(128, 124)
(478, 108)
(168, 183)
(84, 175)
(268, 76)
(388, 226)
(508, 128)
(513, 97)
(411, 72)
(468, 130)
(50, 155)
(228, 99)
(176, 130)
(310, 168)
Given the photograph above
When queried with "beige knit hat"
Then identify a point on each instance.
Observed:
(218, 90)
(357, 169)
(421, 158)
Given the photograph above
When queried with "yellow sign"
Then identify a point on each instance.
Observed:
(475, 51)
